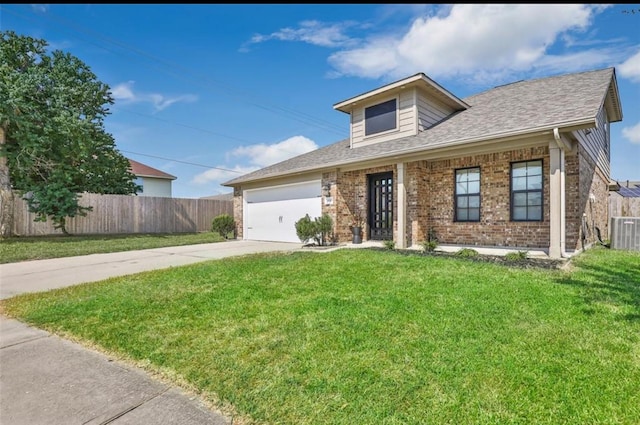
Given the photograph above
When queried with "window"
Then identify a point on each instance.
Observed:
(526, 191)
(139, 181)
(467, 196)
(380, 117)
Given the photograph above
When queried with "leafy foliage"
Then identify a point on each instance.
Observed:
(224, 224)
(467, 252)
(516, 255)
(52, 113)
(389, 244)
(319, 229)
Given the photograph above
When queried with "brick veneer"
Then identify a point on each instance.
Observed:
(494, 227)
(430, 201)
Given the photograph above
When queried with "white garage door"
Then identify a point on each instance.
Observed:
(270, 213)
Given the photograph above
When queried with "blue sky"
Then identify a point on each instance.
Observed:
(210, 92)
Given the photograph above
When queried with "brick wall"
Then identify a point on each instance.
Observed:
(494, 227)
(591, 208)
(349, 196)
(237, 211)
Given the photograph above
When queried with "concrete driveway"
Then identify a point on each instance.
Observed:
(43, 275)
(47, 380)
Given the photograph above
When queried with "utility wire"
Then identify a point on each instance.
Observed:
(297, 115)
(184, 162)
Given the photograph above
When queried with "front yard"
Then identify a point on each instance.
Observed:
(374, 337)
(17, 249)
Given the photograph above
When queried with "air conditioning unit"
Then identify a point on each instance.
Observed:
(625, 233)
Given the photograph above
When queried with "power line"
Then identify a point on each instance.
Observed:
(294, 114)
(184, 162)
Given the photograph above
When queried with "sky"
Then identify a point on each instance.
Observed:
(210, 92)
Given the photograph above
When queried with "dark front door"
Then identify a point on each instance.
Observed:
(381, 206)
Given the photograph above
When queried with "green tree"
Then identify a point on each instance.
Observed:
(53, 145)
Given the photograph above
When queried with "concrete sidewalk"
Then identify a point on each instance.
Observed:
(48, 380)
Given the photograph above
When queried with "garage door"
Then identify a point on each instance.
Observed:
(270, 213)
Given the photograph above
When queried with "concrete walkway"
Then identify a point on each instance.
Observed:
(48, 380)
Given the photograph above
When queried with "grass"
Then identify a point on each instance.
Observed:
(375, 337)
(41, 247)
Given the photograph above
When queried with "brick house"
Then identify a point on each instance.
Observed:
(524, 165)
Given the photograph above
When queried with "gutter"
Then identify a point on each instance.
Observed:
(563, 227)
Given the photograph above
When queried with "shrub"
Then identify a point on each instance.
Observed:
(306, 229)
(324, 229)
(516, 256)
(224, 224)
(319, 229)
(389, 244)
(467, 252)
(429, 246)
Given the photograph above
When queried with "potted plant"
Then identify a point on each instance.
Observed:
(356, 227)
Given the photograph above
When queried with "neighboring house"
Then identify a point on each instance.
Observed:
(153, 181)
(625, 189)
(522, 165)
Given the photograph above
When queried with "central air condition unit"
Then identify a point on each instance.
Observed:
(625, 233)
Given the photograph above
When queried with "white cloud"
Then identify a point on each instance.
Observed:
(256, 156)
(124, 92)
(632, 133)
(631, 68)
(262, 154)
(312, 32)
(461, 39)
(42, 8)
(222, 174)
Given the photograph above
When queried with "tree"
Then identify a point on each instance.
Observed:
(53, 145)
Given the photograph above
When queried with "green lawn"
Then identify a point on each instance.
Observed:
(375, 337)
(38, 248)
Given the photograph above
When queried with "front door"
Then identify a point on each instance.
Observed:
(381, 206)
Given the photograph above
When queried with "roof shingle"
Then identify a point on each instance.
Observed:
(520, 107)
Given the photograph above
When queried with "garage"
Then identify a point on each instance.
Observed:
(270, 213)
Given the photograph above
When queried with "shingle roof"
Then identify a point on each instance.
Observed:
(516, 108)
(143, 170)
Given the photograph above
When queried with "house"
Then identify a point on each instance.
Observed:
(153, 181)
(523, 165)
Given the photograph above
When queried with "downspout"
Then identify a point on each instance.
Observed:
(563, 227)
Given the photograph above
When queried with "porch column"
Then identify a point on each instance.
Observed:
(556, 201)
(401, 191)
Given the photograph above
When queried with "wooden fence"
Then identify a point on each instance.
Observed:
(624, 207)
(113, 214)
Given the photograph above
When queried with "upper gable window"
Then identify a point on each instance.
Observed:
(381, 117)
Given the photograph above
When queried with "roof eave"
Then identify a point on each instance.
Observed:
(567, 126)
(417, 79)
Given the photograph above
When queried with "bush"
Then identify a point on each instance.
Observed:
(389, 244)
(319, 229)
(224, 224)
(429, 246)
(516, 256)
(305, 229)
(467, 252)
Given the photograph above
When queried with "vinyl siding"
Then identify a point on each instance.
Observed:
(430, 111)
(596, 143)
(406, 122)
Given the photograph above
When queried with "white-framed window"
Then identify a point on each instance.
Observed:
(381, 118)
(467, 198)
(139, 181)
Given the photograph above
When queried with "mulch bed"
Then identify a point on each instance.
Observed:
(525, 263)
